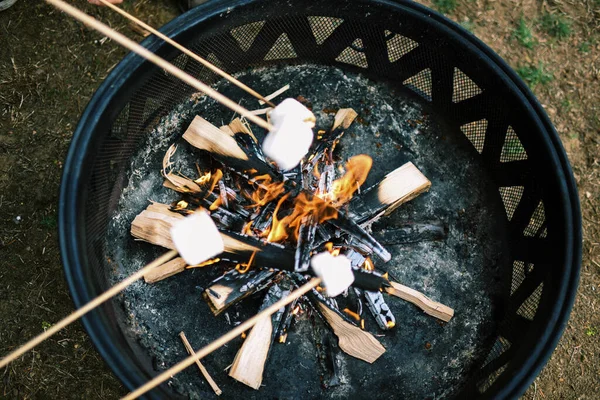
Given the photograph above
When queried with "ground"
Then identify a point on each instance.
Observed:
(49, 68)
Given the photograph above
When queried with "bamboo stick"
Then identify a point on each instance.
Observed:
(86, 308)
(162, 63)
(223, 340)
(190, 53)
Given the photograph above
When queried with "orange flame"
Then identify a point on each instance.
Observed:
(357, 169)
(246, 230)
(267, 190)
(369, 265)
(305, 205)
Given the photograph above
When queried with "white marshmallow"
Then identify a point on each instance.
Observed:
(291, 108)
(197, 238)
(336, 272)
(289, 140)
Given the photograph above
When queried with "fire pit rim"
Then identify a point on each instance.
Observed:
(75, 167)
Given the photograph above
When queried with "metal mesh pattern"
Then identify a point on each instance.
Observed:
(369, 38)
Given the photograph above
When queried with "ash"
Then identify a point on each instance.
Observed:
(424, 358)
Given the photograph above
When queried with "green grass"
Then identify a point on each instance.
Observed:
(535, 75)
(445, 6)
(523, 35)
(585, 47)
(555, 25)
(592, 331)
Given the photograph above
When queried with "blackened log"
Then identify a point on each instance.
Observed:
(352, 228)
(234, 286)
(380, 310)
(306, 240)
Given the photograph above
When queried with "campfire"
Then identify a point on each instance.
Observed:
(276, 223)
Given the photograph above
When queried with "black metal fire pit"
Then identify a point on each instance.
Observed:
(504, 243)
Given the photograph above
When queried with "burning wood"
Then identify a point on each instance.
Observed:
(234, 286)
(273, 225)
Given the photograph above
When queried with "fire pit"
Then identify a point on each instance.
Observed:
(497, 237)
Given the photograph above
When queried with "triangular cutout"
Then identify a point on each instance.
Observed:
(518, 275)
(511, 197)
(529, 307)
(246, 34)
(323, 27)
(513, 149)
(212, 58)
(537, 220)
(351, 56)
(475, 132)
(464, 87)
(421, 83)
(281, 49)
(398, 46)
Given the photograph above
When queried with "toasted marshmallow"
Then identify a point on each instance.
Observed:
(197, 238)
(335, 272)
(289, 140)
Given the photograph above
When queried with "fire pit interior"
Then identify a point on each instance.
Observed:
(487, 239)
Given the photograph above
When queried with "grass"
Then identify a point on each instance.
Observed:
(445, 6)
(523, 35)
(535, 75)
(555, 25)
(591, 331)
(585, 47)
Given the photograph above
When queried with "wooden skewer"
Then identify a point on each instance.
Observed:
(85, 309)
(223, 339)
(162, 63)
(201, 367)
(195, 56)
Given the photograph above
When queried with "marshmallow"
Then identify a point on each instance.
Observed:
(197, 238)
(335, 272)
(289, 140)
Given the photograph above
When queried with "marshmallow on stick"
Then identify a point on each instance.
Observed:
(335, 272)
(197, 238)
(289, 140)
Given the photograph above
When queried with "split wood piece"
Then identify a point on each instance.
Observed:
(398, 187)
(232, 287)
(430, 307)
(165, 270)
(185, 50)
(411, 232)
(226, 338)
(239, 126)
(153, 225)
(205, 136)
(344, 118)
(160, 62)
(113, 291)
(201, 367)
(273, 95)
(249, 363)
(353, 340)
